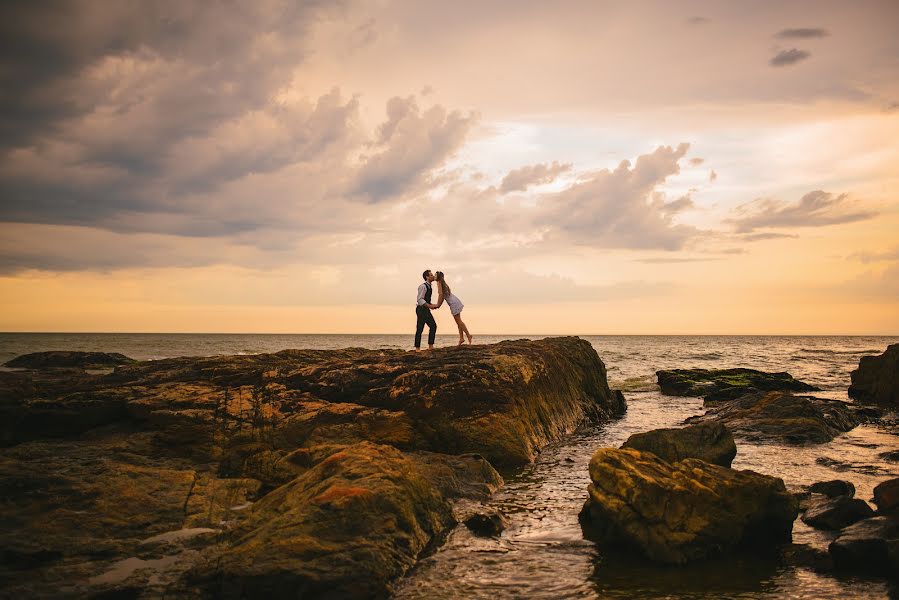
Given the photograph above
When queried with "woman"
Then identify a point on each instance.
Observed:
(445, 293)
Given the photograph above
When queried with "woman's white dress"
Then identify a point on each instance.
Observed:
(455, 305)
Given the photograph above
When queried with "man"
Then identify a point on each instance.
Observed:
(423, 308)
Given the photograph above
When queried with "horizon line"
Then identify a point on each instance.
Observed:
(454, 334)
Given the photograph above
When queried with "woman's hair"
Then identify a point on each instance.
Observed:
(443, 284)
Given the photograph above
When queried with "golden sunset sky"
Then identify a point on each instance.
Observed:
(573, 167)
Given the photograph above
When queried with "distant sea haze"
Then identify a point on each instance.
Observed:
(825, 361)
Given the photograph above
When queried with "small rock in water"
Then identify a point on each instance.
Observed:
(803, 555)
(836, 513)
(486, 524)
(886, 496)
(833, 488)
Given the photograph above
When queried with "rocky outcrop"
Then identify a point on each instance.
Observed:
(680, 512)
(876, 380)
(711, 442)
(871, 546)
(56, 359)
(783, 417)
(299, 473)
(716, 385)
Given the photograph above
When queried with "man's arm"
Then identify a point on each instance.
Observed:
(421, 295)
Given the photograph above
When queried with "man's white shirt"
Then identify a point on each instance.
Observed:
(422, 290)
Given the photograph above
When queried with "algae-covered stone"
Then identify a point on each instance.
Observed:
(685, 511)
(346, 528)
(711, 442)
(781, 416)
(876, 380)
(726, 384)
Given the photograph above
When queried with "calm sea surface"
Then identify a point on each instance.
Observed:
(542, 554)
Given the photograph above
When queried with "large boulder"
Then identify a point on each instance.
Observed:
(871, 545)
(876, 380)
(783, 417)
(298, 472)
(711, 442)
(54, 359)
(715, 385)
(680, 512)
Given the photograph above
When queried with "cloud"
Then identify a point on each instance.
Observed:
(411, 144)
(788, 57)
(184, 66)
(758, 237)
(695, 162)
(801, 33)
(519, 180)
(622, 207)
(673, 260)
(877, 256)
(814, 209)
(697, 20)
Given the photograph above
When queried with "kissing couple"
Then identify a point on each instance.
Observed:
(424, 306)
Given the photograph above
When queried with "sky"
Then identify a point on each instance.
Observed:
(588, 167)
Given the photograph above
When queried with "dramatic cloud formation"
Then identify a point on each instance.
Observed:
(621, 207)
(521, 179)
(410, 145)
(802, 33)
(814, 209)
(788, 57)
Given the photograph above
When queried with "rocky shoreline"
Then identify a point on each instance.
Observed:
(319, 473)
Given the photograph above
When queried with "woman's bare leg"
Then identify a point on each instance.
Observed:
(463, 328)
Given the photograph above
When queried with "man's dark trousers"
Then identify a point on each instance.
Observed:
(425, 317)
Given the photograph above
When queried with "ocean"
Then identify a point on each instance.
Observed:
(542, 553)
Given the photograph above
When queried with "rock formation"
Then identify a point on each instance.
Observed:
(877, 378)
(781, 416)
(680, 512)
(299, 473)
(716, 385)
(68, 359)
(711, 442)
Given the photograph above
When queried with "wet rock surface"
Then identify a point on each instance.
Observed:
(487, 524)
(835, 513)
(55, 359)
(782, 416)
(886, 496)
(296, 473)
(876, 380)
(685, 511)
(711, 442)
(716, 385)
(871, 545)
(833, 488)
